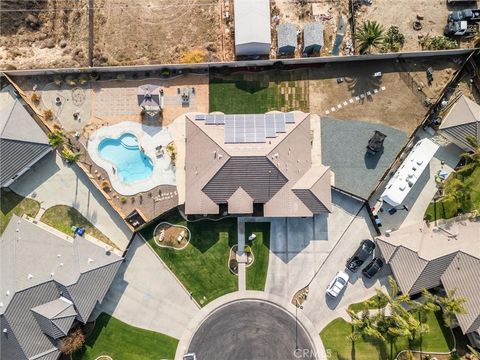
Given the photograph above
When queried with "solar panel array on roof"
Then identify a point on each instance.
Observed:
(249, 128)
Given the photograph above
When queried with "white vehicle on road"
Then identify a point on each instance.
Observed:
(338, 283)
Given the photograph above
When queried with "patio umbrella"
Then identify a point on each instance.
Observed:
(148, 95)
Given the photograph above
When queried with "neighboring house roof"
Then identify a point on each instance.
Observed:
(312, 35)
(48, 280)
(267, 169)
(22, 141)
(252, 21)
(422, 257)
(462, 120)
(286, 36)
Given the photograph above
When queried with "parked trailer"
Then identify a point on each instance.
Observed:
(453, 2)
(467, 14)
(460, 28)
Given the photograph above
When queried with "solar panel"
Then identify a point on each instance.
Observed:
(200, 117)
(289, 118)
(280, 123)
(210, 119)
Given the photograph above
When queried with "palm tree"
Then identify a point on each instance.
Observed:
(451, 306)
(474, 156)
(56, 138)
(474, 352)
(369, 35)
(70, 156)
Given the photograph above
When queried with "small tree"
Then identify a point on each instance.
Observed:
(72, 342)
(193, 56)
(369, 36)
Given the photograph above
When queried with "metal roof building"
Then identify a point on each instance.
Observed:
(48, 280)
(252, 27)
(312, 37)
(254, 160)
(423, 257)
(461, 121)
(22, 142)
(286, 38)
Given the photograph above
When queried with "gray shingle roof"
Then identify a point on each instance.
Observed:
(39, 266)
(286, 37)
(22, 141)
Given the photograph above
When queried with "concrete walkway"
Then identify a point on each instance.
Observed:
(241, 257)
(146, 294)
(51, 182)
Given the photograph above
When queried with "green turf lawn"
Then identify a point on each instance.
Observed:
(334, 338)
(257, 272)
(12, 203)
(449, 207)
(62, 217)
(379, 302)
(202, 265)
(257, 93)
(121, 341)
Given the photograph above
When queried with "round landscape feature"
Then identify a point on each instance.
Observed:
(251, 329)
(104, 357)
(171, 235)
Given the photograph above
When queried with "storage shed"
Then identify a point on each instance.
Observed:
(312, 37)
(252, 27)
(287, 38)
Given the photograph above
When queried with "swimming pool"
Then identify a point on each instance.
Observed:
(127, 158)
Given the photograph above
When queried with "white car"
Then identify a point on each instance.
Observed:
(338, 283)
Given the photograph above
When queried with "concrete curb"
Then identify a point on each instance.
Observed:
(216, 304)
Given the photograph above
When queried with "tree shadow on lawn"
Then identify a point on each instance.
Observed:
(91, 335)
(9, 200)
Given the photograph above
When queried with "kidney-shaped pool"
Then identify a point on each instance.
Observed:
(127, 157)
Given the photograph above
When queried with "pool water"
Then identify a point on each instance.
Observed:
(129, 161)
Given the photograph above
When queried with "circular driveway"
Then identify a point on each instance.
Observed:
(251, 329)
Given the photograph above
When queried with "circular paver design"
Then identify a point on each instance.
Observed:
(250, 329)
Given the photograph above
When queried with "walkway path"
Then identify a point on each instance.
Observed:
(51, 182)
(241, 257)
(146, 294)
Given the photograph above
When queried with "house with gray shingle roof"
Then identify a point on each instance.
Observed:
(22, 142)
(48, 281)
(254, 163)
(448, 255)
(461, 121)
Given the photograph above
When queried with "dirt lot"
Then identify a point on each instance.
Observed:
(54, 33)
(394, 99)
(403, 13)
(40, 39)
(326, 11)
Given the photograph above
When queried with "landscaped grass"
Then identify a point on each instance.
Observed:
(121, 341)
(334, 338)
(202, 265)
(451, 206)
(12, 203)
(62, 217)
(257, 272)
(259, 92)
(378, 303)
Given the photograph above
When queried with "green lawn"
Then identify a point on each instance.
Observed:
(202, 265)
(258, 92)
(257, 272)
(450, 206)
(379, 302)
(334, 338)
(12, 203)
(62, 217)
(121, 341)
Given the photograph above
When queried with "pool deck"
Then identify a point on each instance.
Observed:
(149, 137)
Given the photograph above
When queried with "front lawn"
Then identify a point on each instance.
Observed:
(62, 217)
(257, 272)
(202, 265)
(258, 92)
(12, 203)
(334, 338)
(121, 341)
(462, 195)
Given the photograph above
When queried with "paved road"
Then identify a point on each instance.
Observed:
(145, 294)
(247, 330)
(51, 182)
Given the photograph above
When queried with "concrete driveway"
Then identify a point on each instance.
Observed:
(146, 294)
(52, 182)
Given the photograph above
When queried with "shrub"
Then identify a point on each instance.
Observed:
(105, 185)
(94, 76)
(123, 199)
(120, 76)
(35, 97)
(165, 72)
(393, 40)
(70, 80)
(48, 114)
(57, 80)
(83, 79)
(193, 56)
(437, 43)
(72, 342)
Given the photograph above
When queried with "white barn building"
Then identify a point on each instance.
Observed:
(252, 27)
